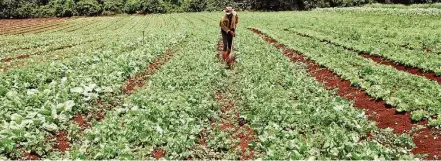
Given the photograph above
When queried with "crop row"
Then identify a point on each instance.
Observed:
(162, 116)
(292, 116)
(425, 138)
(400, 89)
(419, 33)
(22, 44)
(372, 34)
(427, 62)
(34, 109)
(33, 29)
(42, 38)
(296, 118)
(24, 26)
(385, 11)
(98, 42)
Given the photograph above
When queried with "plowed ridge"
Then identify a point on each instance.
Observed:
(382, 60)
(384, 115)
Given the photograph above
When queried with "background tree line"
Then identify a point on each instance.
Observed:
(67, 8)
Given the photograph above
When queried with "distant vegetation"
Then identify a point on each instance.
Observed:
(68, 8)
(401, 6)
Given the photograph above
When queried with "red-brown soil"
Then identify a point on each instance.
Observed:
(31, 156)
(128, 89)
(63, 143)
(138, 80)
(233, 124)
(240, 132)
(385, 115)
(158, 154)
(16, 58)
(42, 52)
(384, 61)
(79, 120)
(19, 26)
(401, 67)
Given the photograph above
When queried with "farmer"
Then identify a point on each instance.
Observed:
(228, 27)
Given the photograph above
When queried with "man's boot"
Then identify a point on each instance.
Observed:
(225, 55)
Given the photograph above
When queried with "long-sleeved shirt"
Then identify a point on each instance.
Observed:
(228, 24)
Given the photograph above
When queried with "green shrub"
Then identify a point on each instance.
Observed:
(67, 8)
(153, 6)
(88, 8)
(111, 7)
(435, 122)
(44, 11)
(419, 115)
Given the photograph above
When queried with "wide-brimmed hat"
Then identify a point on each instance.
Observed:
(229, 10)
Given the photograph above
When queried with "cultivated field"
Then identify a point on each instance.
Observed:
(353, 83)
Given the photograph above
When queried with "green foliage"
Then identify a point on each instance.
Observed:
(111, 7)
(88, 7)
(193, 5)
(44, 11)
(63, 8)
(153, 6)
(401, 6)
(419, 115)
(276, 96)
(67, 8)
(213, 5)
(132, 6)
(17, 9)
(30, 126)
(375, 79)
(435, 122)
(292, 115)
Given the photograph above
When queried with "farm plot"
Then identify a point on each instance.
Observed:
(70, 86)
(328, 54)
(57, 45)
(151, 87)
(13, 26)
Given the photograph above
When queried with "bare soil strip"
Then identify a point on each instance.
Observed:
(236, 127)
(130, 86)
(26, 26)
(382, 60)
(386, 116)
(41, 52)
(39, 29)
(62, 142)
(426, 49)
(72, 29)
(139, 79)
(25, 23)
(232, 123)
(25, 63)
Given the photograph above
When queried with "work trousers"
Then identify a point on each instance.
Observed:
(227, 38)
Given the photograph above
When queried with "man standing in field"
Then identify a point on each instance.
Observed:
(228, 24)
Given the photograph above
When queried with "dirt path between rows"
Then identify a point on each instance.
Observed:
(231, 121)
(427, 140)
(83, 120)
(228, 122)
(21, 26)
(6, 60)
(382, 60)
